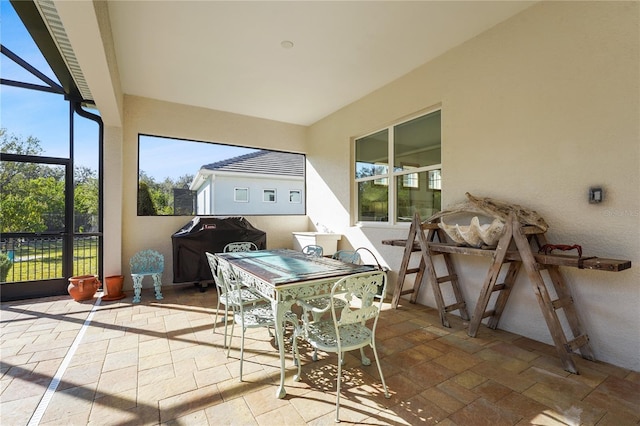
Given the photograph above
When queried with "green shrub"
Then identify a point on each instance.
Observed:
(5, 266)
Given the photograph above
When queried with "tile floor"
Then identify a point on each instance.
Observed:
(158, 362)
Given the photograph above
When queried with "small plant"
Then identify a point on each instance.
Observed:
(5, 266)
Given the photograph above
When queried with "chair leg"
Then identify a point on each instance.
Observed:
(157, 285)
(137, 287)
(230, 336)
(363, 357)
(339, 381)
(384, 385)
(241, 351)
(215, 320)
(226, 322)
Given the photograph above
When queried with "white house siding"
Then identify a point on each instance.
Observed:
(203, 199)
(534, 111)
(223, 195)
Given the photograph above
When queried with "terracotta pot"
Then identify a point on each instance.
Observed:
(83, 287)
(114, 288)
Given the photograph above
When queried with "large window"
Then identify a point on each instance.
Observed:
(392, 191)
(214, 179)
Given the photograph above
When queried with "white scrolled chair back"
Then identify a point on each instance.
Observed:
(313, 250)
(240, 246)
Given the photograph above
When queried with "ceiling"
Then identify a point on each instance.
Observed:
(228, 55)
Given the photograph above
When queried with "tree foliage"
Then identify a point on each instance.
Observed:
(157, 198)
(32, 197)
(146, 205)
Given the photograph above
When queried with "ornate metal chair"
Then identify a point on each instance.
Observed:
(240, 246)
(348, 256)
(143, 263)
(321, 302)
(350, 327)
(246, 314)
(312, 250)
(246, 295)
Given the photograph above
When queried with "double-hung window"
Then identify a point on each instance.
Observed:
(398, 171)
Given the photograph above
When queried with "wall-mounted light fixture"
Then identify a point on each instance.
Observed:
(596, 195)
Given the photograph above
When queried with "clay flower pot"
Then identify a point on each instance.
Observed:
(83, 287)
(114, 284)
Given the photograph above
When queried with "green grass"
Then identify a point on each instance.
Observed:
(43, 260)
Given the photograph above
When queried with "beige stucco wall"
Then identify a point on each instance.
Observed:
(158, 118)
(113, 191)
(534, 111)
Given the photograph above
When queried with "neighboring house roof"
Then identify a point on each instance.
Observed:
(262, 162)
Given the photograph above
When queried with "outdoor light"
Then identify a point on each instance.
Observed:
(596, 195)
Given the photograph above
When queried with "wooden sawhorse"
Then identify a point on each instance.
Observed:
(515, 250)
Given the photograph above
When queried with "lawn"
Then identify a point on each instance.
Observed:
(41, 259)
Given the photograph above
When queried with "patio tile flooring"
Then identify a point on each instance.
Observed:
(159, 362)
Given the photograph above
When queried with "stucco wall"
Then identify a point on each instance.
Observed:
(534, 111)
(112, 253)
(185, 122)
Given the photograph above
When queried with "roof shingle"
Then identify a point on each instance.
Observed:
(262, 162)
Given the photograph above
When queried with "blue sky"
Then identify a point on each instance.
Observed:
(45, 116)
(186, 156)
(42, 115)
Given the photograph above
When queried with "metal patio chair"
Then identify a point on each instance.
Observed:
(143, 263)
(348, 256)
(225, 299)
(349, 328)
(312, 250)
(246, 313)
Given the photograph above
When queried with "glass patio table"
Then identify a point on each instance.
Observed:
(282, 276)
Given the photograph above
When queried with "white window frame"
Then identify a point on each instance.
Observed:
(268, 191)
(390, 177)
(235, 194)
(295, 191)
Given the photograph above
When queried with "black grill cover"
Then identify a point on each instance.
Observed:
(210, 234)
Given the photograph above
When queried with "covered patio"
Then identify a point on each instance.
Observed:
(536, 104)
(159, 362)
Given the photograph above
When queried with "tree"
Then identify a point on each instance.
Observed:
(159, 195)
(33, 195)
(145, 203)
(12, 144)
(33, 205)
(27, 192)
(183, 181)
(85, 198)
